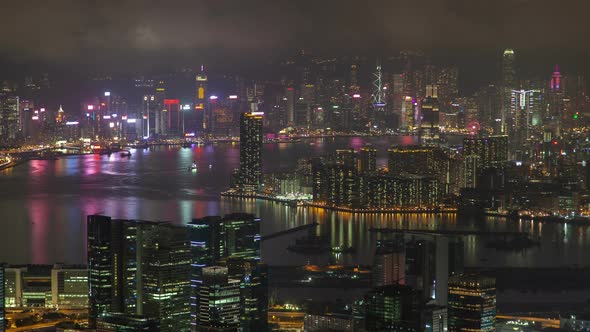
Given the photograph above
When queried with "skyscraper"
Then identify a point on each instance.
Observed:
(472, 303)
(508, 84)
(368, 160)
(389, 266)
(250, 151)
(429, 124)
(200, 102)
(253, 277)
(393, 308)
(219, 301)
(139, 268)
(215, 241)
(10, 119)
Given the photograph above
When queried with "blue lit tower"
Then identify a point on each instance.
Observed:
(379, 95)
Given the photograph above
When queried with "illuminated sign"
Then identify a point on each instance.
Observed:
(186, 107)
(71, 123)
(201, 78)
(213, 98)
(258, 113)
(131, 120)
(90, 107)
(201, 92)
(35, 117)
(43, 109)
(356, 96)
(189, 135)
(107, 94)
(106, 117)
(112, 125)
(171, 101)
(233, 97)
(124, 117)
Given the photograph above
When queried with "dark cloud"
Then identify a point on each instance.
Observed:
(63, 30)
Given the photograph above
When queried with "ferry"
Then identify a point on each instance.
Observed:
(193, 167)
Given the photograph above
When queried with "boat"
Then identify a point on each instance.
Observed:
(343, 250)
(193, 167)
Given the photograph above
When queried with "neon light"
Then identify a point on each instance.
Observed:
(131, 120)
(112, 124)
(186, 107)
(114, 115)
(107, 94)
(233, 97)
(257, 113)
(213, 97)
(35, 118)
(171, 101)
(356, 96)
(90, 107)
(43, 109)
(124, 117)
(72, 123)
(106, 117)
(189, 135)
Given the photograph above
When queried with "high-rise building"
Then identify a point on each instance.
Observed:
(412, 159)
(201, 101)
(253, 277)
(216, 240)
(393, 308)
(508, 84)
(492, 150)
(472, 303)
(69, 286)
(219, 301)
(139, 268)
(408, 113)
(389, 266)
(429, 123)
(368, 160)
(10, 118)
(250, 151)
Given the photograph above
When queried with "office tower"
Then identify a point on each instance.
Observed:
(201, 102)
(10, 118)
(317, 322)
(389, 266)
(435, 318)
(2, 298)
(492, 150)
(69, 287)
(489, 105)
(290, 93)
(429, 124)
(139, 268)
(409, 113)
(250, 151)
(393, 308)
(556, 101)
(219, 301)
(117, 322)
(430, 260)
(472, 303)
(215, 240)
(398, 95)
(172, 118)
(368, 160)
(253, 277)
(508, 84)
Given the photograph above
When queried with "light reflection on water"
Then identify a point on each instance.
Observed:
(43, 205)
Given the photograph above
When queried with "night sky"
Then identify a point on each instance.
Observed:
(132, 32)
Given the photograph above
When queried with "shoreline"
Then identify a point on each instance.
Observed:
(337, 208)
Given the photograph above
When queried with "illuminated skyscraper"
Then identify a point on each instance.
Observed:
(200, 102)
(393, 308)
(429, 124)
(216, 240)
(492, 151)
(10, 118)
(389, 266)
(250, 151)
(508, 84)
(408, 113)
(139, 268)
(472, 303)
(219, 301)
